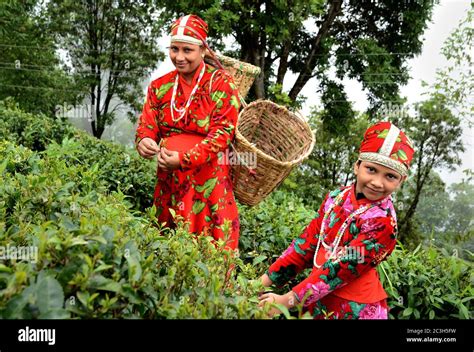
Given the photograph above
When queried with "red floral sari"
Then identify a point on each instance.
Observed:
(200, 191)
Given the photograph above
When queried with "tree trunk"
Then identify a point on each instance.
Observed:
(422, 176)
(260, 59)
(310, 63)
(283, 66)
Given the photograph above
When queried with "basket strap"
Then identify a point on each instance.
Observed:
(214, 56)
(242, 101)
(210, 82)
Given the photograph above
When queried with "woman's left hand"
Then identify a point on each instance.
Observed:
(168, 160)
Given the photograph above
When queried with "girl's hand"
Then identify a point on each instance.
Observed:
(287, 300)
(265, 280)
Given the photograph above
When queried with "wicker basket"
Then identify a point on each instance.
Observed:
(280, 140)
(244, 74)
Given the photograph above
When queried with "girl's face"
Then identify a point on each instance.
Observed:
(376, 181)
(186, 57)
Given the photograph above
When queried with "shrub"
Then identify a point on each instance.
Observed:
(32, 131)
(97, 259)
(428, 284)
(118, 167)
(267, 229)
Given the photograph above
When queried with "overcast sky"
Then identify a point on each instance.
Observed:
(446, 16)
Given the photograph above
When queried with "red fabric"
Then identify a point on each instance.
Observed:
(332, 307)
(181, 142)
(188, 88)
(374, 138)
(194, 27)
(366, 289)
(200, 191)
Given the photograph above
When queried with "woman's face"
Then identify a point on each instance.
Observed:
(186, 57)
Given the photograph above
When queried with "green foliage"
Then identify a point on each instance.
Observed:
(337, 115)
(331, 162)
(111, 166)
(267, 229)
(445, 219)
(30, 69)
(363, 39)
(436, 134)
(461, 211)
(428, 284)
(276, 95)
(455, 82)
(94, 258)
(30, 130)
(112, 49)
(433, 209)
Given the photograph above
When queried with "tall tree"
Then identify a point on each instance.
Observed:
(437, 127)
(456, 81)
(30, 69)
(436, 134)
(433, 208)
(366, 40)
(112, 48)
(461, 214)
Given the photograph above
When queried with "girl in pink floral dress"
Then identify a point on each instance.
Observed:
(354, 230)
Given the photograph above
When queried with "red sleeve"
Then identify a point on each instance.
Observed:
(299, 255)
(147, 126)
(375, 241)
(222, 123)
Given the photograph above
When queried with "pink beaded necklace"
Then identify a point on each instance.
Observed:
(341, 230)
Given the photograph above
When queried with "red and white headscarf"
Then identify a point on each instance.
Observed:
(386, 145)
(189, 29)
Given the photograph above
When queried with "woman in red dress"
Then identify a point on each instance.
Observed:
(188, 121)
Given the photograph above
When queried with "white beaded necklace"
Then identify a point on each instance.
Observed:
(182, 111)
(341, 230)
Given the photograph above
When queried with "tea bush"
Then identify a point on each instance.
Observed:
(268, 228)
(32, 131)
(98, 259)
(118, 167)
(76, 200)
(428, 283)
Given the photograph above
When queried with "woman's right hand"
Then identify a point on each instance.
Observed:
(147, 148)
